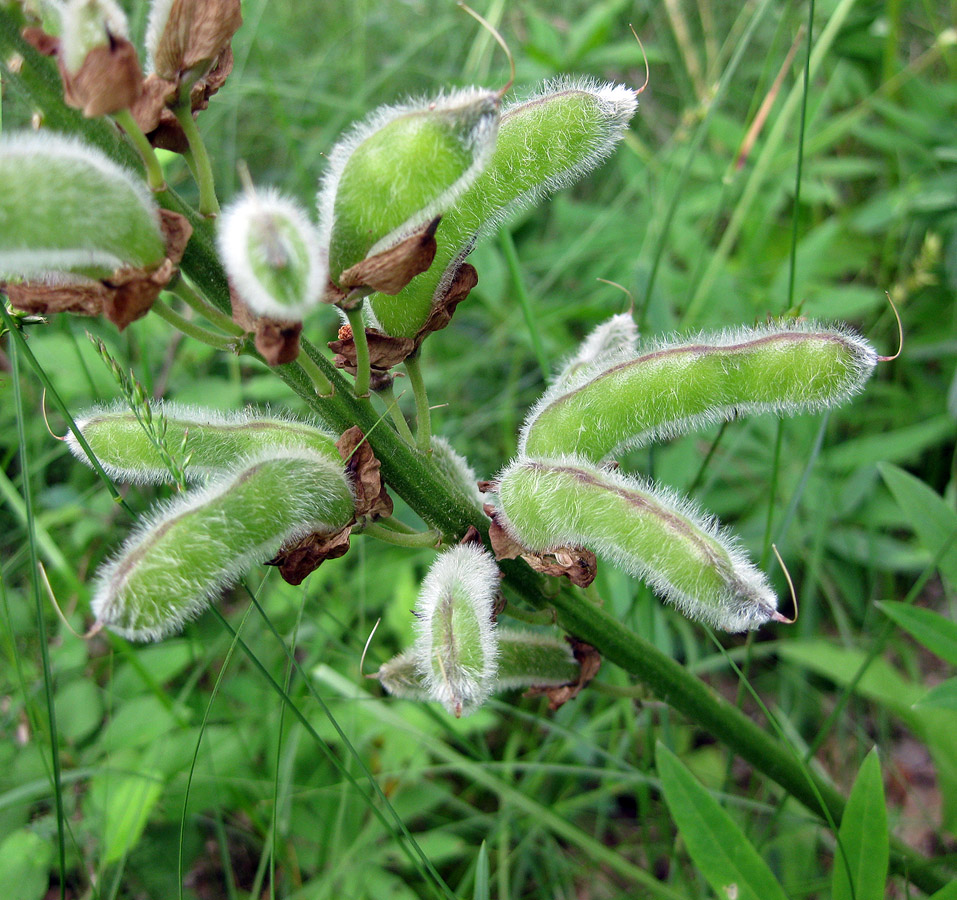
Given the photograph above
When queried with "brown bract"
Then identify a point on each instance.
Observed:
(391, 270)
(590, 661)
(277, 340)
(386, 351)
(578, 565)
(123, 297)
(303, 557)
(372, 499)
(195, 33)
(108, 80)
(153, 108)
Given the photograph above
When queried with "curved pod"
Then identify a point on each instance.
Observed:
(651, 534)
(675, 388)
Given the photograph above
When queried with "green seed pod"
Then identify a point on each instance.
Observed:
(674, 388)
(456, 469)
(456, 648)
(179, 560)
(213, 442)
(652, 534)
(66, 208)
(271, 253)
(610, 341)
(544, 144)
(525, 659)
(399, 169)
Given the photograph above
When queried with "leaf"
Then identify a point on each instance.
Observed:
(944, 696)
(482, 890)
(717, 846)
(946, 893)
(25, 859)
(899, 445)
(935, 632)
(934, 522)
(125, 803)
(863, 838)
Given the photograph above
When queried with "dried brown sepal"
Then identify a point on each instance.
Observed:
(590, 661)
(578, 565)
(299, 559)
(472, 536)
(108, 81)
(123, 297)
(466, 277)
(277, 341)
(391, 270)
(487, 487)
(42, 42)
(384, 351)
(364, 470)
(195, 34)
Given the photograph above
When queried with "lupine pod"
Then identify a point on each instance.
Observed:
(525, 659)
(456, 469)
(399, 169)
(270, 251)
(673, 388)
(66, 208)
(213, 442)
(203, 541)
(650, 533)
(455, 647)
(611, 340)
(544, 144)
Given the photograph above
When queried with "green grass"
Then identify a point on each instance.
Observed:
(570, 803)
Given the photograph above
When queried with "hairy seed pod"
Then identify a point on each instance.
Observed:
(66, 208)
(525, 659)
(203, 541)
(652, 534)
(271, 253)
(456, 470)
(611, 340)
(674, 388)
(213, 442)
(544, 144)
(456, 647)
(399, 169)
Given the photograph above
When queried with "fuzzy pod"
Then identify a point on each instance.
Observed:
(673, 388)
(525, 659)
(66, 208)
(87, 24)
(182, 557)
(457, 470)
(271, 253)
(456, 650)
(399, 169)
(213, 442)
(544, 144)
(611, 340)
(650, 533)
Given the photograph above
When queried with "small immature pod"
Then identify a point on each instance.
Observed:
(66, 208)
(652, 534)
(271, 253)
(399, 169)
(525, 659)
(178, 561)
(456, 648)
(213, 442)
(544, 144)
(185, 37)
(612, 340)
(674, 388)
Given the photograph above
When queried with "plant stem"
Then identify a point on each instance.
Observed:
(423, 418)
(322, 384)
(431, 538)
(154, 171)
(387, 392)
(208, 204)
(190, 329)
(511, 259)
(192, 298)
(354, 315)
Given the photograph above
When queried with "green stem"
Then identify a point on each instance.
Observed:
(192, 298)
(190, 329)
(208, 204)
(322, 384)
(394, 524)
(387, 392)
(430, 538)
(518, 284)
(423, 417)
(363, 366)
(154, 171)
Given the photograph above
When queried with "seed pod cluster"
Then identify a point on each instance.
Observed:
(610, 397)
